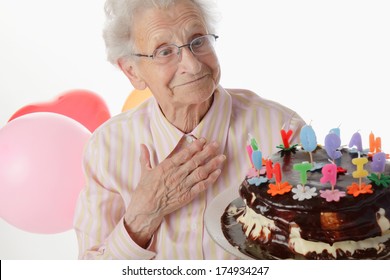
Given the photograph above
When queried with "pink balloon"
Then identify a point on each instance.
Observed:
(84, 106)
(41, 171)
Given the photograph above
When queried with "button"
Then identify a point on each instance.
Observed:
(190, 139)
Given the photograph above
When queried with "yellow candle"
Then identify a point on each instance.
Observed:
(360, 171)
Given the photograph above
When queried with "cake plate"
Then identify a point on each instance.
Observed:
(213, 215)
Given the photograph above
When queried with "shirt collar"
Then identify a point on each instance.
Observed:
(213, 127)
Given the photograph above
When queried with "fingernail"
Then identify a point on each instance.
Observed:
(202, 140)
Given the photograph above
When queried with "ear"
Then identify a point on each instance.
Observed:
(130, 70)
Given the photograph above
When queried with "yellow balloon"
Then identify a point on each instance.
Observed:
(135, 98)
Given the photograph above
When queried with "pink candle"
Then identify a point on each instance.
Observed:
(250, 151)
(329, 172)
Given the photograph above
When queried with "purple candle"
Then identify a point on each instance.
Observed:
(356, 140)
(332, 143)
(335, 130)
(378, 162)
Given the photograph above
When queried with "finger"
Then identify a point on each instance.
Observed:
(198, 159)
(202, 172)
(204, 184)
(208, 153)
(188, 194)
(187, 153)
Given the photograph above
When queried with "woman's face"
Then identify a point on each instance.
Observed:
(187, 80)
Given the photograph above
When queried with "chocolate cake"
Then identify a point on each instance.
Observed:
(347, 220)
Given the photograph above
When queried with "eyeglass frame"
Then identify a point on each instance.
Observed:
(152, 56)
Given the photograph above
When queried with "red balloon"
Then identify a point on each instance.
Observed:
(83, 106)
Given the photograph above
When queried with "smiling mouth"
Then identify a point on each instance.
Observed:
(193, 81)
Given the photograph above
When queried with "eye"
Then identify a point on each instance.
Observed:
(198, 42)
(165, 51)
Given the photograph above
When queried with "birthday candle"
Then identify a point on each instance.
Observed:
(329, 172)
(302, 168)
(372, 142)
(375, 143)
(254, 145)
(278, 174)
(360, 171)
(250, 151)
(335, 130)
(286, 137)
(332, 143)
(257, 159)
(308, 138)
(356, 140)
(273, 171)
(378, 162)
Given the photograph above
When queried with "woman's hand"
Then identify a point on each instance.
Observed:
(170, 185)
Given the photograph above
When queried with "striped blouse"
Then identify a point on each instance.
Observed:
(112, 170)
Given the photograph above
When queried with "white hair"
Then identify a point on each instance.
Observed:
(120, 19)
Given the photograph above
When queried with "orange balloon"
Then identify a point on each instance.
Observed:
(135, 98)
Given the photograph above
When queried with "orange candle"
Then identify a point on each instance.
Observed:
(375, 144)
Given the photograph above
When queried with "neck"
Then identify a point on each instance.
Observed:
(186, 118)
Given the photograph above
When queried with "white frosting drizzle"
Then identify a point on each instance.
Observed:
(256, 226)
(383, 222)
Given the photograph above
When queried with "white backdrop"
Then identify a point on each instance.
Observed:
(328, 60)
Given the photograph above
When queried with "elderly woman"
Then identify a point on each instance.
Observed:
(152, 171)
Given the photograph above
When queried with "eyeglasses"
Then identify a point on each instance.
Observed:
(199, 46)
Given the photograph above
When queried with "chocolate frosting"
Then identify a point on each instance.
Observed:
(350, 218)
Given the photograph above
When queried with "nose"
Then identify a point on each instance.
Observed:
(188, 62)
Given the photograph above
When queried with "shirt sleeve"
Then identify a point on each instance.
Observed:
(98, 220)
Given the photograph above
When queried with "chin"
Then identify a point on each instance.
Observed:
(201, 94)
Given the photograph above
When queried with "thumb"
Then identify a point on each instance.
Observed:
(145, 158)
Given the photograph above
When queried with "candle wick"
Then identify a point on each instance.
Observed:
(311, 158)
(249, 138)
(331, 160)
(289, 121)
